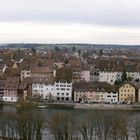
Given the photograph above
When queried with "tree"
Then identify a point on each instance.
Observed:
(34, 51)
(57, 49)
(73, 49)
(101, 52)
(117, 82)
(124, 76)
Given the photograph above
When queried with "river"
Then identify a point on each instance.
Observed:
(79, 113)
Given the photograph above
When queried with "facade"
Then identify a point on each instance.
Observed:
(42, 87)
(85, 95)
(2, 83)
(111, 97)
(95, 92)
(11, 89)
(127, 93)
(63, 91)
(24, 74)
(85, 75)
(133, 75)
(109, 77)
(139, 95)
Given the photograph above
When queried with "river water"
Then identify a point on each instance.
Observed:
(45, 113)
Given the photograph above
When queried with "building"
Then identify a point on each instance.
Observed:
(109, 76)
(11, 89)
(41, 72)
(43, 88)
(98, 92)
(63, 90)
(127, 92)
(2, 83)
(24, 74)
(22, 91)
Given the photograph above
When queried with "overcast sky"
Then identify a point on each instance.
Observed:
(70, 21)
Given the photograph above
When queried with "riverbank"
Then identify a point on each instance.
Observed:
(108, 107)
(61, 105)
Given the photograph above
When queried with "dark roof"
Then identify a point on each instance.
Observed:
(42, 80)
(94, 86)
(41, 69)
(64, 74)
(22, 85)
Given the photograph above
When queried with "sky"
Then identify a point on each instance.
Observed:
(70, 21)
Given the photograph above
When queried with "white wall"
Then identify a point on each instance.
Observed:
(63, 90)
(10, 99)
(111, 97)
(43, 89)
(109, 77)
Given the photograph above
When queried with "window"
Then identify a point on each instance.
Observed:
(67, 94)
(62, 93)
(12, 99)
(62, 88)
(57, 88)
(40, 86)
(62, 98)
(58, 94)
(68, 85)
(68, 89)
(58, 98)
(67, 99)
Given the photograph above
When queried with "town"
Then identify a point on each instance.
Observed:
(70, 74)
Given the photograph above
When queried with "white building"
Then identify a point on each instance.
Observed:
(109, 77)
(111, 97)
(63, 91)
(133, 75)
(43, 89)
